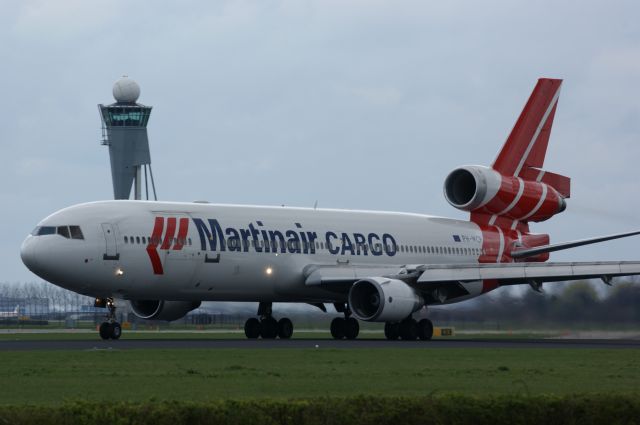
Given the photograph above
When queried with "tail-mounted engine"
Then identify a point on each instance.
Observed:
(483, 190)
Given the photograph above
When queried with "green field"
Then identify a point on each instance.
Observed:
(49, 377)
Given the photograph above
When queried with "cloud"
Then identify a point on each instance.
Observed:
(65, 20)
(378, 96)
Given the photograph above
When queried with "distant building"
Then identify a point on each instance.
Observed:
(27, 307)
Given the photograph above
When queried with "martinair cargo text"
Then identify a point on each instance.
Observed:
(166, 258)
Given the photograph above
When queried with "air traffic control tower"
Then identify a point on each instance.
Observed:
(124, 131)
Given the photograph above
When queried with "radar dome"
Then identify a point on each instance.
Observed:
(125, 90)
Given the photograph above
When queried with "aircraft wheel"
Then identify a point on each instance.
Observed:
(105, 330)
(425, 329)
(409, 329)
(351, 328)
(391, 330)
(116, 330)
(285, 328)
(338, 326)
(252, 328)
(268, 328)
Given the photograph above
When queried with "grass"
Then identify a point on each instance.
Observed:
(50, 377)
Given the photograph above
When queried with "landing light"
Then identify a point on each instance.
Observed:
(119, 272)
(268, 271)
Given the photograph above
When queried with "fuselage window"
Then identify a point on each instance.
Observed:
(126, 239)
(189, 241)
(144, 240)
(63, 231)
(138, 239)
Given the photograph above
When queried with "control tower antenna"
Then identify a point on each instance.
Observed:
(124, 130)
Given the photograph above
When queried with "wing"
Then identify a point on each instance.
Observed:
(447, 282)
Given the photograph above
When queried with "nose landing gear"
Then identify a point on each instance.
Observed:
(110, 328)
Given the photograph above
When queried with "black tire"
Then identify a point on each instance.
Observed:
(409, 329)
(351, 328)
(425, 329)
(252, 328)
(105, 330)
(116, 330)
(285, 328)
(338, 326)
(392, 330)
(268, 328)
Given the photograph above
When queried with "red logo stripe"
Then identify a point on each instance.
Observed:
(182, 234)
(155, 239)
(171, 230)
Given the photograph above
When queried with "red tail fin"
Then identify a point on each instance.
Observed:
(527, 144)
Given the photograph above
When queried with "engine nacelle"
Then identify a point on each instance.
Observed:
(483, 190)
(378, 299)
(162, 310)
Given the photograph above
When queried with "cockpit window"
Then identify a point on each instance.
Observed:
(63, 231)
(69, 232)
(76, 233)
(44, 230)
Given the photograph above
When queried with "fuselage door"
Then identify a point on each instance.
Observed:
(111, 249)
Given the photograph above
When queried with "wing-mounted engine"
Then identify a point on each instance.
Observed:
(483, 190)
(162, 310)
(379, 299)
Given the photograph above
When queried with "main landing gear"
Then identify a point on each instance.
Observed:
(109, 329)
(268, 327)
(409, 329)
(344, 328)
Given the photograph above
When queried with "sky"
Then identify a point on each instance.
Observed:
(350, 104)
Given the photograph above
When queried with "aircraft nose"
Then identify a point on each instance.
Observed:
(28, 253)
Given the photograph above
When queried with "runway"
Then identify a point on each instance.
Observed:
(213, 344)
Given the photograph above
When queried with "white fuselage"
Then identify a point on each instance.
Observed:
(207, 252)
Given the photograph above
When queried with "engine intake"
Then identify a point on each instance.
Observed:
(483, 190)
(162, 310)
(379, 299)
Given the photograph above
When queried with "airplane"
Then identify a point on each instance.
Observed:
(10, 314)
(165, 258)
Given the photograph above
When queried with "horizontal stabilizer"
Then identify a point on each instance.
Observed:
(520, 273)
(531, 252)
